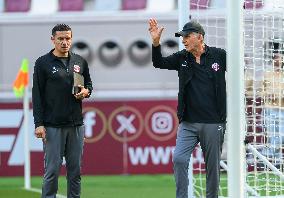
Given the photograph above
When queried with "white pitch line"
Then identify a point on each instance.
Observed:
(39, 191)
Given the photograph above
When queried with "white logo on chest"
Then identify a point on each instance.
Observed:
(184, 64)
(54, 69)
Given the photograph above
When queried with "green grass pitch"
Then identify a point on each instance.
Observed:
(142, 186)
(131, 186)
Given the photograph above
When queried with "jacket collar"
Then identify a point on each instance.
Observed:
(53, 57)
(206, 53)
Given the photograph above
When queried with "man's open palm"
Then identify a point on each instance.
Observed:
(155, 31)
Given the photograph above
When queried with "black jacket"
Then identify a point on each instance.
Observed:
(53, 102)
(181, 62)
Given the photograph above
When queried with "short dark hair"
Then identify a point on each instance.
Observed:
(60, 27)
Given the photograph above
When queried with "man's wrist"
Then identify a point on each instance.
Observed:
(38, 124)
(89, 92)
(156, 44)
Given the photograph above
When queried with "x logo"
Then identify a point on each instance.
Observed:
(125, 123)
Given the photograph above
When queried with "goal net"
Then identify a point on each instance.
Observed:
(264, 94)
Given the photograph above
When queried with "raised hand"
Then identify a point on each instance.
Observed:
(155, 31)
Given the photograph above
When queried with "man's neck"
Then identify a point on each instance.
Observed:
(199, 51)
(58, 54)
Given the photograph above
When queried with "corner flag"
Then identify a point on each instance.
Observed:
(20, 87)
(22, 79)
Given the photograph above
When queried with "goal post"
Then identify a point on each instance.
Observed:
(183, 17)
(235, 100)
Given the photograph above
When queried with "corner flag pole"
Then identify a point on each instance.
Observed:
(26, 140)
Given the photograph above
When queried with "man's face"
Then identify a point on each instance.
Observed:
(192, 41)
(62, 41)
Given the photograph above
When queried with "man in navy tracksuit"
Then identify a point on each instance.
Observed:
(201, 102)
(58, 111)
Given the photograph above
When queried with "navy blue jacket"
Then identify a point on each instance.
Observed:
(53, 102)
(180, 61)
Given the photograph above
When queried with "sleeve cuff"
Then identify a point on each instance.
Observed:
(38, 124)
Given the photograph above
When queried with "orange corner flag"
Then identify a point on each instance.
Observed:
(22, 79)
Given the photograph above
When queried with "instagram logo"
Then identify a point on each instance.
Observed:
(162, 122)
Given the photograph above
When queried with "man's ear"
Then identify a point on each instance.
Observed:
(200, 37)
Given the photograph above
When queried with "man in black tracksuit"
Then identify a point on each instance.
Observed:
(58, 111)
(201, 102)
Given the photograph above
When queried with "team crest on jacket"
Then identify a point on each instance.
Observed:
(215, 66)
(76, 68)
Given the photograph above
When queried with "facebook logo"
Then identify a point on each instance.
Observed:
(90, 122)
